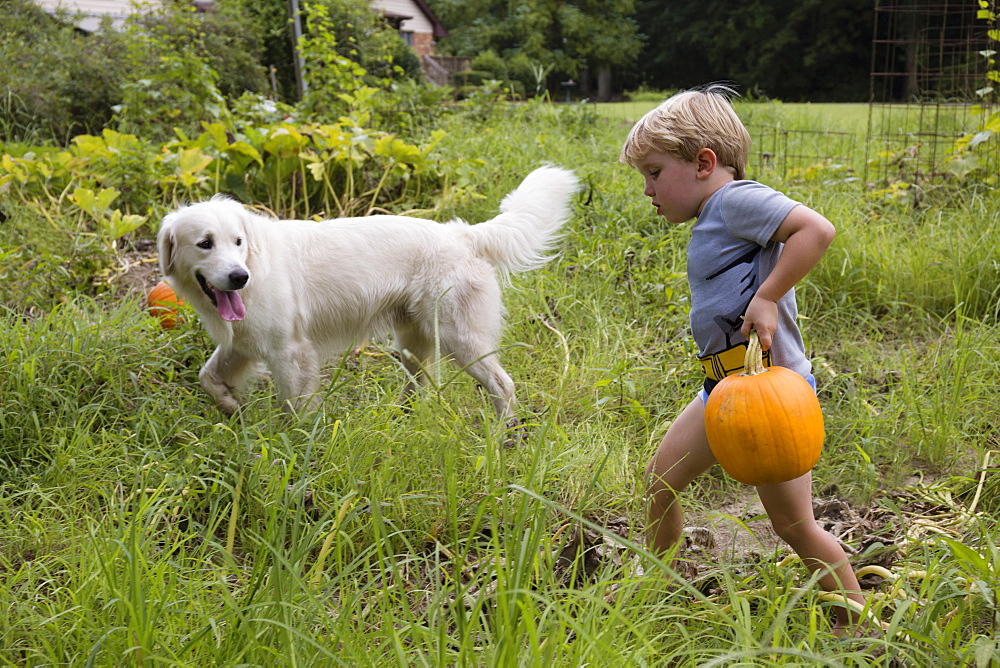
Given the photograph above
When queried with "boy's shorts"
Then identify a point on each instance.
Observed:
(706, 389)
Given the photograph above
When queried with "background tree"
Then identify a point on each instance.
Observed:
(54, 81)
(789, 49)
(268, 21)
(473, 25)
(362, 35)
(566, 39)
(604, 35)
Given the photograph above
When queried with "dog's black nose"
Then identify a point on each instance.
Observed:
(238, 278)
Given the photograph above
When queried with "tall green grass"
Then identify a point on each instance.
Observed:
(140, 526)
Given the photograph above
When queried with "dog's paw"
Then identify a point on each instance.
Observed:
(515, 432)
(229, 406)
(223, 394)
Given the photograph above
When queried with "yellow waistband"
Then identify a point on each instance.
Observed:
(730, 361)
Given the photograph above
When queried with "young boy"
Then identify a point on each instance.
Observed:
(749, 247)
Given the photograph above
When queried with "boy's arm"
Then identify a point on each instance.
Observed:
(806, 235)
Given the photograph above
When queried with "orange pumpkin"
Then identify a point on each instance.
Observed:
(163, 303)
(764, 425)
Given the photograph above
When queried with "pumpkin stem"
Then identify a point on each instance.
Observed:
(753, 364)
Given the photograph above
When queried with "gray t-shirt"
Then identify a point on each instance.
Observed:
(729, 256)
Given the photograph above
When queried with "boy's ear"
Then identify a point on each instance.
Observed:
(706, 161)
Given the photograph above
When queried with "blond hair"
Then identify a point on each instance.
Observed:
(688, 122)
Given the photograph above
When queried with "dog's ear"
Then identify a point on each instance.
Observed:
(257, 255)
(165, 244)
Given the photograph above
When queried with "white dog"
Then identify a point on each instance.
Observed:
(290, 293)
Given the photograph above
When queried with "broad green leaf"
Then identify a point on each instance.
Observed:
(383, 145)
(192, 160)
(963, 166)
(88, 146)
(980, 137)
(105, 198)
(15, 169)
(391, 147)
(119, 225)
(244, 149)
(118, 141)
(285, 141)
(317, 169)
(95, 204)
(85, 199)
(331, 137)
(217, 131)
(969, 557)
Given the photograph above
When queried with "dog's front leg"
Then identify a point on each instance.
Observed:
(224, 377)
(497, 383)
(296, 375)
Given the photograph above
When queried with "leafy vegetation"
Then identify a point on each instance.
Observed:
(138, 525)
(141, 526)
(570, 40)
(171, 67)
(54, 84)
(818, 50)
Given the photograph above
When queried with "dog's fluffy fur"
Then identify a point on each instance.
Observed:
(290, 293)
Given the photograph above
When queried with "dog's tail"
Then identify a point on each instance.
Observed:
(527, 228)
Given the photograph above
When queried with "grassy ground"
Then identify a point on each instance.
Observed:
(844, 117)
(139, 526)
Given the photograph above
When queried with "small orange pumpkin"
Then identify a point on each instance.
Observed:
(163, 303)
(764, 425)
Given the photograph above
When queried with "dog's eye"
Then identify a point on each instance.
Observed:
(205, 243)
(239, 241)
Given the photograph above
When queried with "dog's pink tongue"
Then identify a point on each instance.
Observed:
(230, 305)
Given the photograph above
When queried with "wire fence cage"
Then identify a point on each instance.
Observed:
(791, 152)
(929, 93)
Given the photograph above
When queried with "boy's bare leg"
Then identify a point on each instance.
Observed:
(683, 455)
(789, 507)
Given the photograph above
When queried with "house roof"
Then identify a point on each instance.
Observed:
(88, 13)
(417, 15)
(439, 29)
(91, 11)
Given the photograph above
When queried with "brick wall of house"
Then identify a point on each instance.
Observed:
(423, 44)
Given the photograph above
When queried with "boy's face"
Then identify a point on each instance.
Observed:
(673, 185)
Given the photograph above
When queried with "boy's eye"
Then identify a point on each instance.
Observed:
(654, 174)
